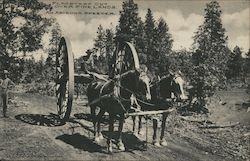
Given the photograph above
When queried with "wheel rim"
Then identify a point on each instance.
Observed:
(65, 78)
(126, 59)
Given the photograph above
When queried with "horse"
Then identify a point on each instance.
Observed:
(113, 96)
(162, 91)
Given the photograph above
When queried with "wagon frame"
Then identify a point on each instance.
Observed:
(125, 58)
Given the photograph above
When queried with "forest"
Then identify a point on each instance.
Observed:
(209, 65)
(212, 124)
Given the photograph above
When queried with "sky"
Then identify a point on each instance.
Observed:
(182, 16)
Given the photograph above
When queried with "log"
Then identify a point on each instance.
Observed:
(196, 120)
(247, 134)
(220, 126)
(149, 112)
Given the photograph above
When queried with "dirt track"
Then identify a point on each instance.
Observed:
(33, 132)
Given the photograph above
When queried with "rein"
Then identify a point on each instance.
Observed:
(119, 98)
(136, 94)
(159, 81)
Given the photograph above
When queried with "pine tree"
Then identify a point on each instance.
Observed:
(181, 60)
(246, 65)
(246, 69)
(24, 37)
(150, 41)
(140, 42)
(56, 34)
(109, 42)
(164, 43)
(109, 47)
(99, 44)
(210, 39)
(235, 63)
(210, 53)
(128, 22)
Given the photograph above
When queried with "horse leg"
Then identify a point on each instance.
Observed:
(163, 142)
(140, 126)
(98, 135)
(111, 130)
(120, 143)
(134, 122)
(93, 117)
(155, 125)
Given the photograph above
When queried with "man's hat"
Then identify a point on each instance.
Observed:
(5, 72)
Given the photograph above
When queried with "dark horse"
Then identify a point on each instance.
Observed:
(164, 91)
(113, 97)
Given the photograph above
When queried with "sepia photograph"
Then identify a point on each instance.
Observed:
(125, 80)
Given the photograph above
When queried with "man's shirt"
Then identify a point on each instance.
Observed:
(5, 83)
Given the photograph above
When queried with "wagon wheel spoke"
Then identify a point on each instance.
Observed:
(63, 97)
(127, 59)
(64, 79)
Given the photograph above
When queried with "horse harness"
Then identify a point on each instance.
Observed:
(115, 94)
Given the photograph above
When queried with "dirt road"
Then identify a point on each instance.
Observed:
(33, 132)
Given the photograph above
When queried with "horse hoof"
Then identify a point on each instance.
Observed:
(121, 146)
(135, 134)
(163, 142)
(110, 149)
(156, 143)
(97, 139)
(141, 133)
(101, 136)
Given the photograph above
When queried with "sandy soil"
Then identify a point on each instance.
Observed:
(33, 132)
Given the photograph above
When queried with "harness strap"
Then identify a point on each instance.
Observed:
(99, 99)
(101, 90)
(116, 98)
(107, 96)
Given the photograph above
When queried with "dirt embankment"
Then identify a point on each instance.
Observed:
(33, 132)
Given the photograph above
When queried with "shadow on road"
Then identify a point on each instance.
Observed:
(81, 142)
(88, 117)
(50, 120)
(84, 116)
(243, 105)
(81, 125)
(84, 143)
(130, 141)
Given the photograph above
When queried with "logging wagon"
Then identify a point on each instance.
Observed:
(66, 77)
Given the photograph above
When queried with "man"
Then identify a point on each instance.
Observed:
(86, 59)
(5, 83)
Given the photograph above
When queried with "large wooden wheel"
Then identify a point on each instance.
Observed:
(65, 79)
(126, 58)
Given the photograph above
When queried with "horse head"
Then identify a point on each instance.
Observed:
(144, 85)
(170, 86)
(177, 85)
(135, 82)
